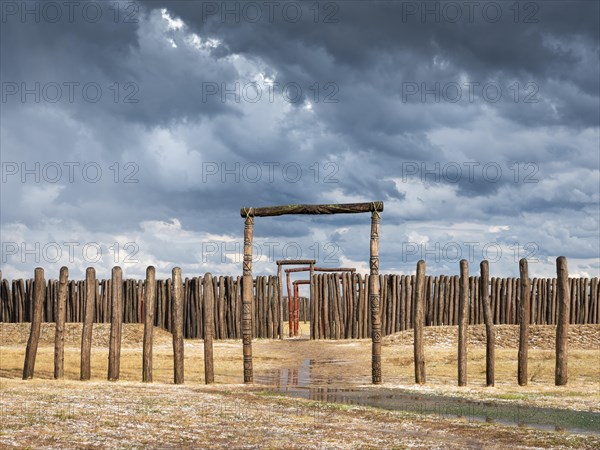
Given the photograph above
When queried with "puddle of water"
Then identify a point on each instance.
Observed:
(299, 382)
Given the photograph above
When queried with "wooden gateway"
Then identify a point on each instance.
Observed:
(293, 300)
(375, 208)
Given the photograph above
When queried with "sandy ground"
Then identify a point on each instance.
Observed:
(129, 414)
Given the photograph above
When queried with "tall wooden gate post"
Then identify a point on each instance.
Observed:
(374, 299)
(463, 320)
(247, 299)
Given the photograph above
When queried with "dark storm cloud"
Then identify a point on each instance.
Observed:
(374, 50)
(377, 140)
(366, 34)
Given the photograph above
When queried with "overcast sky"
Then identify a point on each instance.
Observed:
(133, 133)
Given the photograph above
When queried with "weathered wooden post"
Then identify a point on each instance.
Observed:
(290, 305)
(88, 322)
(463, 317)
(296, 309)
(489, 323)
(39, 288)
(60, 317)
(280, 300)
(314, 301)
(248, 297)
(562, 326)
(177, 313)
(524, 313)
(149, 300)
(418, 321)
(311, 290)
(374, 297)
(209, 318)
(114, 349)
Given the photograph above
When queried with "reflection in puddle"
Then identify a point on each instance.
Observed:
(301, 382)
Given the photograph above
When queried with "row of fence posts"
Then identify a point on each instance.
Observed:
(336, 328)
(116, 322)
(524, 310)
(17, 305)
(340, 304)
(345, 300)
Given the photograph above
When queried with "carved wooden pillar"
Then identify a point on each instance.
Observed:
(247, 299)
(374, 298)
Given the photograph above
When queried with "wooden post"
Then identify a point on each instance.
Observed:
(114, 350)
(267, 289)
(177, 313)
(374, 299)
(60, 317)
(524, 313)
(98, 303)
(247, 299)
(418, 321)
(326, 315)
(221, 317)
(334, 285)
(320, 305)
(296, 309)
(436, 300)
(363, 307)
(489, 323)
(562, 326)
(586, 299)
(88, 321)
(290, 304)
(280, 300)
(311, 287)
(471, 302)
(394, 296)
(313, 300)
(149, 299)
(502, 301)
(463, 318)
(444, 300)
(594, 301)
(39, 286)
(209, 314)
(384, 304)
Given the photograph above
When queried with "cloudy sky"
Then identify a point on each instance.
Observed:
(132, 133)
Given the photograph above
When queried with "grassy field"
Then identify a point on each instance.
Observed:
(129, 414)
